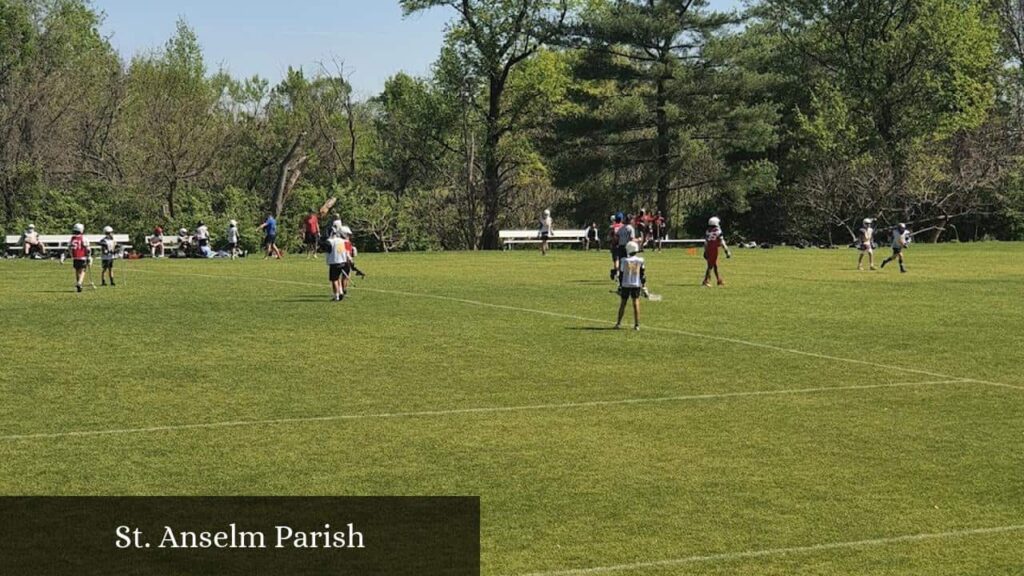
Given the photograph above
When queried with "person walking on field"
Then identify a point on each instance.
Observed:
(270, 240)
(613, 243)
(866, 244)
(311, 233)
(338, 263)
(233, 239)
(901, 239)
(108, 251)
(624, 235)
(546, 228)
(80, 259)
(632, 283)
(713, 240)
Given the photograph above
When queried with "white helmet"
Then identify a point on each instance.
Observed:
(547, 212)
(234, 223)
(868, 221)
(714, 221)
(31, 226)
(182, 232)
(903, 226)
(632, 248)
(78, 228)
(346, 231)
(108, 230)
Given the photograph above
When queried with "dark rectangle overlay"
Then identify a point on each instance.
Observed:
(267, 536)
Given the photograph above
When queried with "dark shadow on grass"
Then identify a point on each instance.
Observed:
(594, 282)
(592, 328)
(326, 299)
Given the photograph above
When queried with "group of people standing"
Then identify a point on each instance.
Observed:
(901, 239)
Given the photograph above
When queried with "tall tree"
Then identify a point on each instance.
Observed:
(498, 36)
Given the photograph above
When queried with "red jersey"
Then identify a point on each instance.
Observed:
(79, 248)
(614, 234)
(312, 225)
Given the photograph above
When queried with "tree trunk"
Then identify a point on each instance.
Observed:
(664, 146)
(170, 198)
(287, 176)
(492, 167)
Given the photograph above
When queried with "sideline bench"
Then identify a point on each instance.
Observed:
(510, 238)
(57, 243)
(172, 243)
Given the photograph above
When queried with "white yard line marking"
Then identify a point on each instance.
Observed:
(732, 556)
(462, 411)
(698, 335)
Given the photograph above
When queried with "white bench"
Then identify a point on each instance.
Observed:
(510, 238)
(171, 244)
(59, 242)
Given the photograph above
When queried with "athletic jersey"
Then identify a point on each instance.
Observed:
(592, 233)
(867, 235)
(713, 239)
(632, 272)
(31, 237)
(232, 235)
(613, 234)
(108, 247)
(900, 239)
(338, 252)
(202, 233)
(311, 225)
(271, 226)
(545, 225)
(626, 235)
(79, 247)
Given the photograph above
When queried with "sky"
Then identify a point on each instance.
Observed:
(247, 37)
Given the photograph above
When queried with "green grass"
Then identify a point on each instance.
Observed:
(567, 487)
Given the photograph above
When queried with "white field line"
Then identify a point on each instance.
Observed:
(461, 411)
(698, 335)
(733, 556)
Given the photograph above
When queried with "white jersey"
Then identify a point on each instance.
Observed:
(626, 235)
(232, 235)
(900, 239)
(108, 247)
(632, 272)
(338, 254)
(202, 233)
(545, 225)
(867, 235)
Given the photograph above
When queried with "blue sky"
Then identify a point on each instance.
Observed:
(262, 37)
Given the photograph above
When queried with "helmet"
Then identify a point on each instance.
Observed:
(233, 223)
(345, 231)
(632, 248)
(78, 228)
(868, 221)
(547, 212)
(183, 231)
(31, 226)
(903, 226)
(714, 221)
(612, 219)
(108, 230)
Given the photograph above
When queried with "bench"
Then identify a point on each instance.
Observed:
(58, 243)
(510, 238)
(172, 244)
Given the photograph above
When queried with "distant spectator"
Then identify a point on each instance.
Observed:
(270, 240)
(30, 241)
(202, 235)
(546, 228)
(593, 237)
(311, 232)
(233, 238)
(185, 243)
(156, 243)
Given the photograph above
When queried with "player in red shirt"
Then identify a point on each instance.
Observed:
(713, 240)
(311, 233)
(613, 244)
(79, 249)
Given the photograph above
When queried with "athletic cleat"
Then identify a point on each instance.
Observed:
(706, 284)
(884, 262)
(78, 287)
(103, 283)
(112, 282)
(720, 283)
(636, 328)
(618, 327)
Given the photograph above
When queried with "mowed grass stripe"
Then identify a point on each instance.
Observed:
(698, 335)
(465, 411)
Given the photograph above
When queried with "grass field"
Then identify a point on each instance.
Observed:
(806, 419)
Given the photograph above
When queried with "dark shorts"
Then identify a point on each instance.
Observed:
(896, 250)
(620, 252)
(204, 242)
(233, 246)
(545, 235)
(81, 264)
(270, 239)
(627, 293)
(336, 271)
(312, 239)
(108, 264)
(712, 258)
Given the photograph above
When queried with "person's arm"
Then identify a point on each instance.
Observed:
(725, 246)
(643, 276)
(261, 226)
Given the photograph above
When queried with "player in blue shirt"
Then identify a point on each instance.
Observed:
(270, 240)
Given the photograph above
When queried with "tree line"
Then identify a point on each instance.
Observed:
(792, 120)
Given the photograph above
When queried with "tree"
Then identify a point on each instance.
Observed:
(497, 36)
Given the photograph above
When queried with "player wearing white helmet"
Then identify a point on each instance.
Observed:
(108, 251)
(632, 283)
(714, 239)
(233, 238)
(30, 241)
(546, 228)
(901, 239)
(866, 244)
(79, 249)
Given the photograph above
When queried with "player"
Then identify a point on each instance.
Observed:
(185, 243)
(80, 258)
(626, 234)
(233, 238)
(338, 263)
(108, 251)
(659, 229)
(546, 227)
(311, 233)
(593, 237)
(901, 239)
(30, 241)
(713, 240)
(613, 243)
(866, 244)
(643, 228)
(632, 283)
(270, 240)
(202, 236)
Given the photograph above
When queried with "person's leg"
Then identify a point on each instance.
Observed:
(707, 276)
(860, 261)
(622, 311)
(718, 276)
(636, 313)
(110, 273)
(902, 267)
